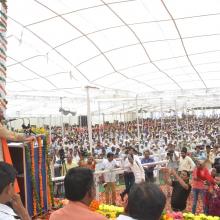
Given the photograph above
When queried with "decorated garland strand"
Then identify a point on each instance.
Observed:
(33, 178)
(3, 48)
(30, 164)
(40, 171)
(49, 178)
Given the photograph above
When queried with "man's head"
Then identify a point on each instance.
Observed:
(110, 156)
(200, 163)
(208, 148)
(7, 179)
(90, 159)
(71, 151)
(145, 201)
(183, 152)
(213, 172)
(69, 159)
(79, 185)
(75, 152)
(146, 154)
(118, 150)
(185, 175)
(170, 153)
(197, 148)
(215, 148)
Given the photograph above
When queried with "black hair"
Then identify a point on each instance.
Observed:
(187, 172)
(145, 201)
(184, 149)
(7, 175)
(78, 181)
(110, 154)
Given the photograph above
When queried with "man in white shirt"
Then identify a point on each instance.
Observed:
(110, 178)
(133, 162)
(186, 163)
(128, 175)
(7, 194)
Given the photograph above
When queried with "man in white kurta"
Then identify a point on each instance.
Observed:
(133, 162)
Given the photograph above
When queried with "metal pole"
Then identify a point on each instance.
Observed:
(161, 113)
(142, 121)
(103, 118)
(50, 129)
(99, 109)
(138, 127)
(80, 121)
(124, 120)
(176, 121)
(187, 117)
(69, 119)
(61, 105)
(89, 119)
(204, 113)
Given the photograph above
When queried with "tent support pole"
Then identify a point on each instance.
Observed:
(138, 127)
(89, 119)
(99, 109)
(61, 105)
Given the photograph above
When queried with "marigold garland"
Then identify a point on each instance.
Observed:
(40, 171)
(49, 178)
(30, 164)
(94, 205)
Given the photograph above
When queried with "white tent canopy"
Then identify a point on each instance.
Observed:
(157, 50)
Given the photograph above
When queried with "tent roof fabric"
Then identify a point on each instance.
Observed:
(151, 48)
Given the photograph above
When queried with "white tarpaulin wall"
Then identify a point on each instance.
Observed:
(155, 49)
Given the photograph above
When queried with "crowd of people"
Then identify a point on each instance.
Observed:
(181, 153)
(189, 149)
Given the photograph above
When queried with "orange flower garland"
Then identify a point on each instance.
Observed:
(48, 173)
(48, 191)
(94, 205)
(33, 173)
(40, 171)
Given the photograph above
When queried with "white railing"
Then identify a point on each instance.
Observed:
(116, 171)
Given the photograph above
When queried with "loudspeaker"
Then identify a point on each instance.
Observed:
(82, 120)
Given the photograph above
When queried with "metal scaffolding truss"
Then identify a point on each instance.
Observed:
(152, 49)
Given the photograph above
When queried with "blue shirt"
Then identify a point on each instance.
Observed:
(149, 160)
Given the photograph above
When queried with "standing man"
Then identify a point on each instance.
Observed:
(128, 176)
(149, 171)
(186, 163)
(110, 178)
(133, 162)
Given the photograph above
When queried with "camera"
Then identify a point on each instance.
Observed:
(170, 153)
(62, 155)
